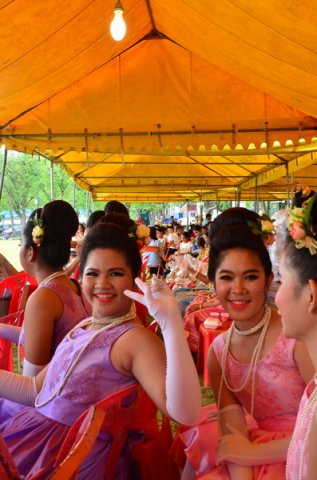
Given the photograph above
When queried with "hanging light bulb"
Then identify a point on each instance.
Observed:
(118, 27)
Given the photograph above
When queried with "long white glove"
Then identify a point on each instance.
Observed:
(183, 396)
(31, 370)
(18, 388)
(238, 449)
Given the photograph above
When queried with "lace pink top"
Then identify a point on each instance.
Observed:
(297, 460)
(278, 384)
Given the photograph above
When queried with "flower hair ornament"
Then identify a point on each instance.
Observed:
(300, 227)
(263, 227)
(38, 231)
(140, 232)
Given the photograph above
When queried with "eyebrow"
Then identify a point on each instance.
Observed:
(245, 271)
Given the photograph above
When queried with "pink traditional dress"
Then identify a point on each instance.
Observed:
(278, 390)
(297, 460)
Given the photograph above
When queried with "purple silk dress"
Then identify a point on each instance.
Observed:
(35, 435)
(76, 308)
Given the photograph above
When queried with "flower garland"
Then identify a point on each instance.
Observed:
(265, 228)
(38, 231)
(300, 227)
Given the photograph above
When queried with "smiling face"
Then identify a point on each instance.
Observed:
(241, 286)
(105, 277)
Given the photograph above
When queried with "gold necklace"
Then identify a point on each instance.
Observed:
(254, 360)
(114, 323)
(309, 403)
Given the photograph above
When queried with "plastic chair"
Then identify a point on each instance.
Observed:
(21, 286)
(113, 415)
(152, 458)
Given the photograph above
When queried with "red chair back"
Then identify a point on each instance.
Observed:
(113, 415)
(21, 286)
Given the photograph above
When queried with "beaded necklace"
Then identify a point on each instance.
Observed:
(311, 402)
(114, 323)
(254, 360)
(51, 277)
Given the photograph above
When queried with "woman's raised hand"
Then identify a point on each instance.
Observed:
(158, 299)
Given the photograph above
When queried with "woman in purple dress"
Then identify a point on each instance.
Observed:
(100, 356)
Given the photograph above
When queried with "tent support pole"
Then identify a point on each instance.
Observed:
(256, 203)
(4, 164)
(74, 196)
(52, 180)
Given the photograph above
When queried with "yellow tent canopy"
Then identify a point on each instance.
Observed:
(201, 100)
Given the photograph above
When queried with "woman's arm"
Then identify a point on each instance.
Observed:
(10, 332)
(42, 310)
(169, 376)
(234, 446)
(20, 389)
(230, 413)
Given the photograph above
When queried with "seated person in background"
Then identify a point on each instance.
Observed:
(57, 304)
(73, 269)
(197, 234)
(103, 354)
(6, 269)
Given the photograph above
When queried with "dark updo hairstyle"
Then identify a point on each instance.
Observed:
(119, 219)
(231, 230)
(94, 217)
(113, 236)
(115, 207)
(60, 223)
(300, 259)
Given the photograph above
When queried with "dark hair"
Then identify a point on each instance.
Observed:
(300, 199)
(112, 236)
(153, 233)
(300, 259)
(200, 241)
(196, 228)
(119, 219)
(59, 222)
(94, 217)
(231, 230)
(116, 207)
(186, 235)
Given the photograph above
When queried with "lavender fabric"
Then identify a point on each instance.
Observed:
(35, 435)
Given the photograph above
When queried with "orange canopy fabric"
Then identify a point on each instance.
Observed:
(200, 100)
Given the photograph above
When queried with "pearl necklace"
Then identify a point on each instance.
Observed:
(311, 402)
(109, 320)
(52, 276)
(251, 330)
(254, 360)
(114, 323)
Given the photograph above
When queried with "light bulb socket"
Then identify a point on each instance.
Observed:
(118, 6)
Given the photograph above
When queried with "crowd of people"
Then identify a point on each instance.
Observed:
(83, 339)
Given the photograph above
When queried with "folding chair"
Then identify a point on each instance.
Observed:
(21, 286)
(113, 415)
